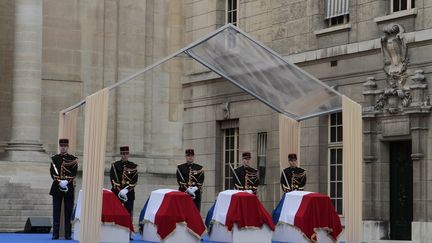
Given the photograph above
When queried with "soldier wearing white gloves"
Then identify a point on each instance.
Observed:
(63, 170)
(190, 177)
(124, 177)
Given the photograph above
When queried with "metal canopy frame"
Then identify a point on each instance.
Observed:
(190, 52)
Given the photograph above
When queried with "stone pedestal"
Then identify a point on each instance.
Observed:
(24, 151)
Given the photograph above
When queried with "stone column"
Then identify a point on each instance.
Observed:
(25, 142)
(418, 89)
(369, 119)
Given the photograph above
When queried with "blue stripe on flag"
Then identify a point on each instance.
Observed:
(209, 215)
(277, 211)
(141, 217)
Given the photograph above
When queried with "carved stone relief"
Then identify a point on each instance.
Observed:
(226, 110)
(395, 50)
(403, 93)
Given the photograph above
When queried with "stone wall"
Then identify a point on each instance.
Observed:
(202, 119)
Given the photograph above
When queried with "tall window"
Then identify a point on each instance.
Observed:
(262, 156)
(335, 160)
(337, 12)
(232, 12)
(400, 5)
(230, 155)
(336, 128)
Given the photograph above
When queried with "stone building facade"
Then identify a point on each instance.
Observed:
(375, 52)
(55, 53)
(80, 46)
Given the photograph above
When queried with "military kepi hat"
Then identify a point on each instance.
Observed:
(124, 149)
(246, 155)
(189, 152)
(64, 141)
(292, 156)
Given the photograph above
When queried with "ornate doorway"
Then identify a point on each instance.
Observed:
(401, 193)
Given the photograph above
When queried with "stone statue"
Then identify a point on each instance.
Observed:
(394, 50)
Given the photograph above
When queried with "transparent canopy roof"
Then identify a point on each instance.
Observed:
(257, 70)
(264, 74)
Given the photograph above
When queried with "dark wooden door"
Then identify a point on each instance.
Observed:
(401, 184)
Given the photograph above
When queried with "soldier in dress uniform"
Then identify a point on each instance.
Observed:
(124, 177)
(293, 178)
(190, 177)
(245, 177)
(63, 170)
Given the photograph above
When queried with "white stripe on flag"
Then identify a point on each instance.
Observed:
(291, 205)
(79, 201)
(222, 205)
(156, 198)
(78, 205)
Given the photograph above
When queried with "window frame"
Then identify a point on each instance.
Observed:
(342, 17)
(345, 20)
(409, 5)
(262, 140)
(336, 146)
(228, 10)
(235, 163)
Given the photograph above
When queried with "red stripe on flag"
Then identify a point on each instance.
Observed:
(317, 211)
(178, 207)
(114, 211)
(246, 210)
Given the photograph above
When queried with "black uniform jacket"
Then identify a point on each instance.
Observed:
(191, 175)
(247, 179)
(296, 177)
(124, 174)
(66, 167)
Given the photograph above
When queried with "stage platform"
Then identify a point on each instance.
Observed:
(43, 238)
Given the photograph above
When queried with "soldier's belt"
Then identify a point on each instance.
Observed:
(64, 177)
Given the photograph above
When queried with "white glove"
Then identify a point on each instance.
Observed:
(188, 190)
(123, 192)
(193, 189)
(63, 183)
(249, 191)
(191, 192)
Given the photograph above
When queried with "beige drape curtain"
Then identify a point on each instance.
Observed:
(352, 170)
(289, 139)
(95, 132)
(68, 129)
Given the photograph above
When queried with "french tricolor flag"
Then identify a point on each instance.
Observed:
(238, 207)
(166, 207)
(308, 211)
